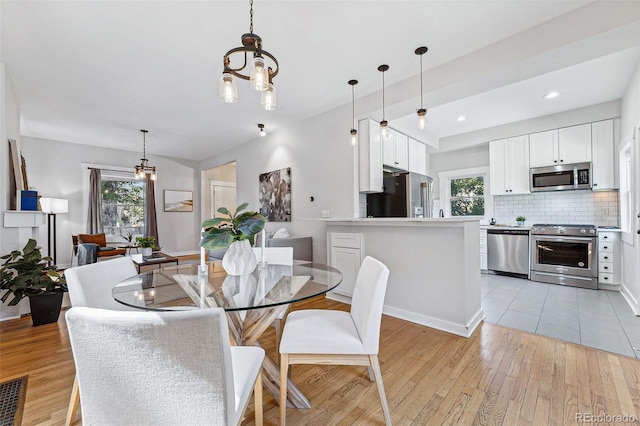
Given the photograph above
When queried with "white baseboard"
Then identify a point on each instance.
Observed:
(632, 301)
(465, 330)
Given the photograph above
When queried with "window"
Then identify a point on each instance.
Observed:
(122, 204)
(462, 192)
(467, 196)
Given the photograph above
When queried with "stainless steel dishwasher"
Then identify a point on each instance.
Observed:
(508, 251)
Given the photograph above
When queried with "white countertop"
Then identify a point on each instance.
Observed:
(526, 228)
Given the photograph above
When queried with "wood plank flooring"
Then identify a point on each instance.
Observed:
(499, 376)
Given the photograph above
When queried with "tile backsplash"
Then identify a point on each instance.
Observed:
(570, 207)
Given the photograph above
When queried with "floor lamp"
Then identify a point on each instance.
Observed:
(53, 206)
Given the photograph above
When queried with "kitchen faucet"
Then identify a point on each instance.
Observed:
(441, 214)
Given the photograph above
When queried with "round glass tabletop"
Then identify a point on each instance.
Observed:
(180, 287)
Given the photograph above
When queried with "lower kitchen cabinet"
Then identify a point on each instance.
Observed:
(609, 258)
(346, 256)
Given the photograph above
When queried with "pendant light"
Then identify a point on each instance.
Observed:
(354, 132)
(143, 168)
(260, 74)
(422, 113)
(384, 126)
(261, 129)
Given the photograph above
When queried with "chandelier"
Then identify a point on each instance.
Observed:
(422, 113)
(260, 73)
(143, 168)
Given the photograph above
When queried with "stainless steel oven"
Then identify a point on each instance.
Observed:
(565, 254)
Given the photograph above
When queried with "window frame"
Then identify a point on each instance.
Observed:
(121, 176)
(445, 179)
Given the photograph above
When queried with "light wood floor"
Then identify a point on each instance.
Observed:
(498, 376)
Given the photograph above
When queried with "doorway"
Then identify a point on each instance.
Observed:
(221, 189)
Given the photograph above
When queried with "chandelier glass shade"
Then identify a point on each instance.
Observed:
(255, 64)
(143, 168)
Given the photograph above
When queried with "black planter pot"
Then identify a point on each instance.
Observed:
(45, 309)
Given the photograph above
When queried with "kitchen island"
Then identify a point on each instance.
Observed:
(434, 267)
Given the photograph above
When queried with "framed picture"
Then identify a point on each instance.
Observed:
(275, 195)
(178, 201)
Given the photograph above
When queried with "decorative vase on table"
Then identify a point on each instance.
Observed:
(239, 258)
(147, 251)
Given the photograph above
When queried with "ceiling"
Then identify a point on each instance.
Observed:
(95, 72)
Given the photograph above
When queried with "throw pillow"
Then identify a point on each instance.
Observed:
(281, 233)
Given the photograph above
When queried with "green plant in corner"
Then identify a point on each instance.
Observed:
(221, 232)
(147, 242)
(27, 274)
(520, 219)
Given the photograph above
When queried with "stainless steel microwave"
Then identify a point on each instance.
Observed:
(562, 177)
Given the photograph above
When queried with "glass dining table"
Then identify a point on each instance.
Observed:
(252, 302)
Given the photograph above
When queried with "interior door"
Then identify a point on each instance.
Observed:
(222, 196)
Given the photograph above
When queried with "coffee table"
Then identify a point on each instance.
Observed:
(140, 261)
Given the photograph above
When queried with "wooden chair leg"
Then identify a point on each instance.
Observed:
(74, 401)
(278, 327)
(373, 359)
(372, 377)
(257, 400)
(284, 367)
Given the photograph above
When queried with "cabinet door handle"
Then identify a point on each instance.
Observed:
(605, 247)
(606, 278)
(605, 237)
(562, 161)
(606, 267)
(555, 161)
(606, 257)
(595, 184)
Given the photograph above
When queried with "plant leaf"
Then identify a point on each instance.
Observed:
(214, 223)
(216, 239)
(224, 210)
(241, 207)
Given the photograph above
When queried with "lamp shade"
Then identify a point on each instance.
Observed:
(54, 205)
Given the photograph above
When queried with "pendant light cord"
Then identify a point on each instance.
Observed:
(421, 106)
(353, 105)
(382, 95)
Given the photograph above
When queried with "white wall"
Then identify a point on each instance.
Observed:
(54, 169)
(629, 122)
(322, 165)
(468, 158)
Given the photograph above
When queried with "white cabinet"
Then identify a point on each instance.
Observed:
(395, 150)
(346, 255)
(483, 249)
(509, 165)
(543, 148)
(602, 153)
(574, 144)
(417, 157)
(609, 258)
(561, 146)
(370, 156)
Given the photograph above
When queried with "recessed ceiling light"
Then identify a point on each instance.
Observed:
(461, 118)
(551, 95)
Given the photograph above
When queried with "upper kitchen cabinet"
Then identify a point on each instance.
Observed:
(562, 146)
(395, 151)
(417, 157)
(602, 152)
(370, 156)
(509, 165)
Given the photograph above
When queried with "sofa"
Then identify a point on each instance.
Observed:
(302, 247)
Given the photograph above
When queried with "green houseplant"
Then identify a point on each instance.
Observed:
(520, 220)
(147, 244)
(237, 233)
(26, 273)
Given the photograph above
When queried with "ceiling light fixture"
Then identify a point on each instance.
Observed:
(143, 168)
(354, 132)
(422, 113)
(260, 75)
(461, 118)
(261, 127)
(551, 95)
(384, 126)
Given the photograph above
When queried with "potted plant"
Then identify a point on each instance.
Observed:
(237, 232)
(520, 220)
(147, 244)
(27, 274)
(128, 237)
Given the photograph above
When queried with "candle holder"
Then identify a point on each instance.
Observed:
(203, 270)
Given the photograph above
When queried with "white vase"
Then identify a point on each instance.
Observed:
(239, 258)
(147, 251)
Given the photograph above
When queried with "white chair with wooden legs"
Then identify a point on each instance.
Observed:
(162, 368)
(316, 336)
(90, 286)
(276, 256)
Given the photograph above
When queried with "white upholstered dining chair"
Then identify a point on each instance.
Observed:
(162, 368)
(317, 336)
(276, 256)
(90, 286)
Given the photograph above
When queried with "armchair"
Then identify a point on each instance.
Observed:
(100, 240)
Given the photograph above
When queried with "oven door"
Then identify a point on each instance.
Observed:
(564, 255)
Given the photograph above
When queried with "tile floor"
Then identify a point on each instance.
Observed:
(596, 318)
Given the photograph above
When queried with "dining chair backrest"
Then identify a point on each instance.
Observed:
(275, 255)
(178, 367)
(367, 302)
(91, 285)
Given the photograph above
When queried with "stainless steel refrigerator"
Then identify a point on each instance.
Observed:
(404, 195)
